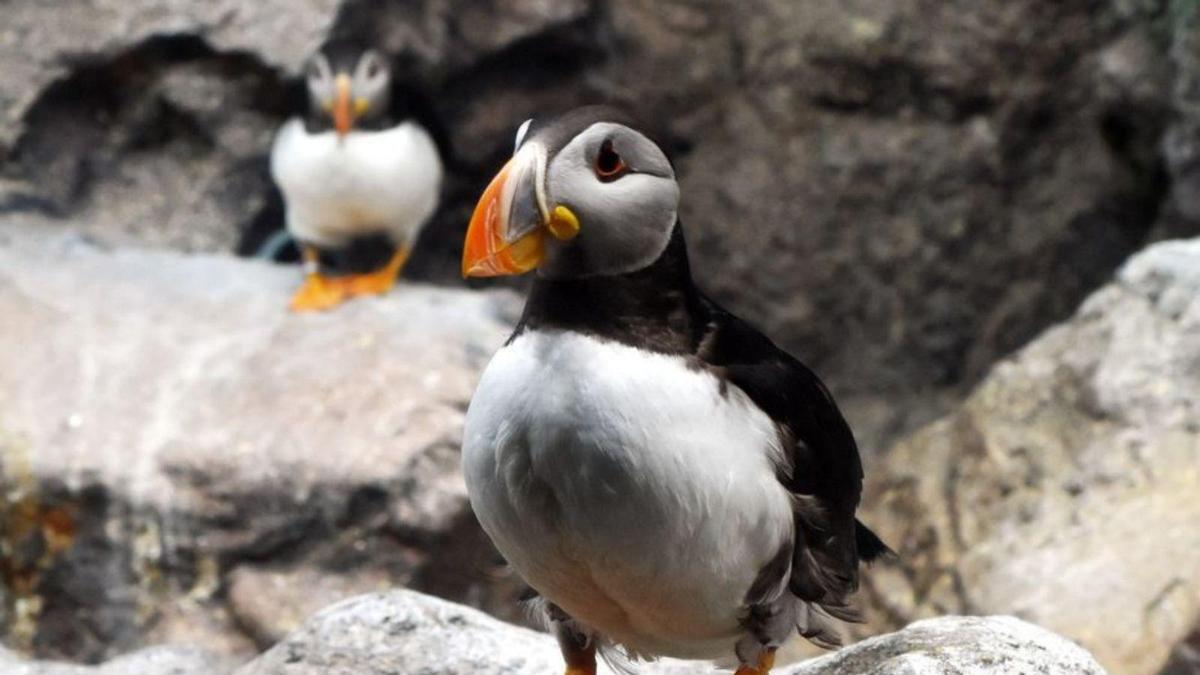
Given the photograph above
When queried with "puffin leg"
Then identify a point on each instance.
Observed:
(578, 649)
(582, 662)
(381, 280)
(318, 291)
(766, 661)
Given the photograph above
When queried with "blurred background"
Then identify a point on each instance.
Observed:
(914, 197)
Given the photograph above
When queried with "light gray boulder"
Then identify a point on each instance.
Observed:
(1064, 491)
(161, 660)
(164, 420)
(406, 632)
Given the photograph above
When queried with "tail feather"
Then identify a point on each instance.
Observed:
(816, 626)
(619, 660)
(870, 546)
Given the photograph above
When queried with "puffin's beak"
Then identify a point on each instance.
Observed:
(508, 228)
(343, 114)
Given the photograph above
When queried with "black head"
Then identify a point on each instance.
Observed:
(348, 85)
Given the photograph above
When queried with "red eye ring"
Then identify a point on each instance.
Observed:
(609, 165)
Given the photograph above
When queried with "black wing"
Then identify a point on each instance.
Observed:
(822, 467)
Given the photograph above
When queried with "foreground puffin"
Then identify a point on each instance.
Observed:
(667, 479)
(351, 168)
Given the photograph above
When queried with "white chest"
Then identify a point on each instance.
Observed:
(626, 487)
(369, 181)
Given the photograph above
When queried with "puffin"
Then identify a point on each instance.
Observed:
(666, 479)
(353, 167)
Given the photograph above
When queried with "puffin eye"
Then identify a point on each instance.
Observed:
(609, 165)
(372, 68)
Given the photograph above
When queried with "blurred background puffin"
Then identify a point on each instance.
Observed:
(355, 167)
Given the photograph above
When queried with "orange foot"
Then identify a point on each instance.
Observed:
(379, 281)
(580, 656)
(765, 663)
(319, 293)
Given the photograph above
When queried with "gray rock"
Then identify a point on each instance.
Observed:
(269, 604)
(956, 645)
(406, 632)
(161, 660)
(164, 419)
(1064, 490)
(42, 42)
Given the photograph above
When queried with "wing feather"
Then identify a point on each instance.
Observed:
(821, 466)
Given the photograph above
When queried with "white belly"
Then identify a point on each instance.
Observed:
(627, 488)
(369, 182)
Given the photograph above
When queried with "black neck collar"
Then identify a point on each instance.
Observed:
(655, 308)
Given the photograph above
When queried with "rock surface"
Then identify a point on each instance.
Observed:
(164, 420)
(149, 661)
(152, 118)
(1064, 490)
(42, 42)
(406, 632)
(900, 192)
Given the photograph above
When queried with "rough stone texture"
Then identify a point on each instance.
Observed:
(406, 632)
(41, 42)
(901, 191)
(269, 604)
(1064, 490)
(993, 645)
(163, 660)
(164, 419)
(151, 118)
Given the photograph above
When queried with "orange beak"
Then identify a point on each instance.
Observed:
(487, 251)
(507, 234)
(343, 113)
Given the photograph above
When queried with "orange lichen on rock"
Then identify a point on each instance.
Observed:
(33, 534)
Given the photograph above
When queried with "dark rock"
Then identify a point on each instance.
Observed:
(1185, 658)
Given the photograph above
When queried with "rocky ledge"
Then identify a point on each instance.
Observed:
(407, 632)
(183, 460)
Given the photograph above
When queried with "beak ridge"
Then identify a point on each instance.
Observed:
(506, 234)
(343, 113)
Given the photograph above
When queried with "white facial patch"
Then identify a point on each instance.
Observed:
(626, 222)
(320, 80)
(371, 79)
